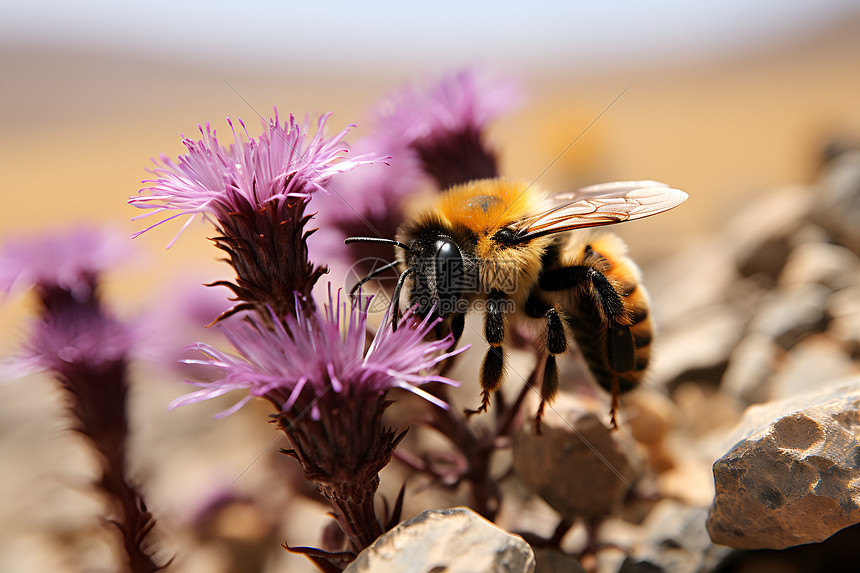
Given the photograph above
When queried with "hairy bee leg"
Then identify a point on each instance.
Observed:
(556, 343)
(620, 341)
(548, 389)
(605, 295)
(493, 366)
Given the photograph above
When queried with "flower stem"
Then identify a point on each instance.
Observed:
(354, 511)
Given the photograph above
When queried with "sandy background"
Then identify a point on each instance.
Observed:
(80, 120)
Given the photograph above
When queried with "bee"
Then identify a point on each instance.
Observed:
(517, 252)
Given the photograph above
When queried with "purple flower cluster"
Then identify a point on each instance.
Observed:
(67, 260)
(327, 374)
(327, 380)
(73, 330)
(75, 339)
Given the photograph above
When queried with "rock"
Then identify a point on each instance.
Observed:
(454, 540)
(755, 234)
(675, 541)
(836, 553)
(787, 315)
(690, 481)
(766, 260)
(696, 277)
(705, 410)
(793, 476)
(576, 451)
(838, 208)
(648, 415)
(751, 365)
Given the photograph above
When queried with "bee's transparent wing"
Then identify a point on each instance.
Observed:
(602, 204)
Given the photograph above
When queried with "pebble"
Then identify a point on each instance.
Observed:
(455, 540)
(576, 451)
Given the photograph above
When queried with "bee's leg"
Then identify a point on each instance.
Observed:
(620, 345)
(458, 323)
(454, 327)
(593, 282)
(556, 343)
(493, 366)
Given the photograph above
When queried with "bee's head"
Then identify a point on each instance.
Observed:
(441, 269)
(440, 275)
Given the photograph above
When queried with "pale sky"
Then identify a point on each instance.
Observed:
(348, 34)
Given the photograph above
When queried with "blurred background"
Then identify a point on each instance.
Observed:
(724, 101)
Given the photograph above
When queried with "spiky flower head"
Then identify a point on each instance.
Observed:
(444, 123)
(67, 259)
(330, 390)
(435, 136)
(73, 330)
(371, 203)
(310, 363)
(255, 191)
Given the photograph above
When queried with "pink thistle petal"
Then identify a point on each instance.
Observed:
(214, 180)
(322, 352)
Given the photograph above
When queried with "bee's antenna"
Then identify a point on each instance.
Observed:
(349, 240)
(395, 316)
(372, 274)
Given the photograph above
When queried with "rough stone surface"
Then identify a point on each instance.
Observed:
(576, 465)
(795, 479)
(676, 541)
(451, 540)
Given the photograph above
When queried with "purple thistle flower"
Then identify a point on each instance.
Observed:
(255, 191)
(63, 269)
(434, 135)
(67, 260)
(330, 389)
(308, 358)
(376, 207)
(445, 123)
(87, 351)
(216, 182)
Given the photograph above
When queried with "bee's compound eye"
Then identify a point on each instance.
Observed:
(449, 275)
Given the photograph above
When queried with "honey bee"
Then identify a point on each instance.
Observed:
(514, 250)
